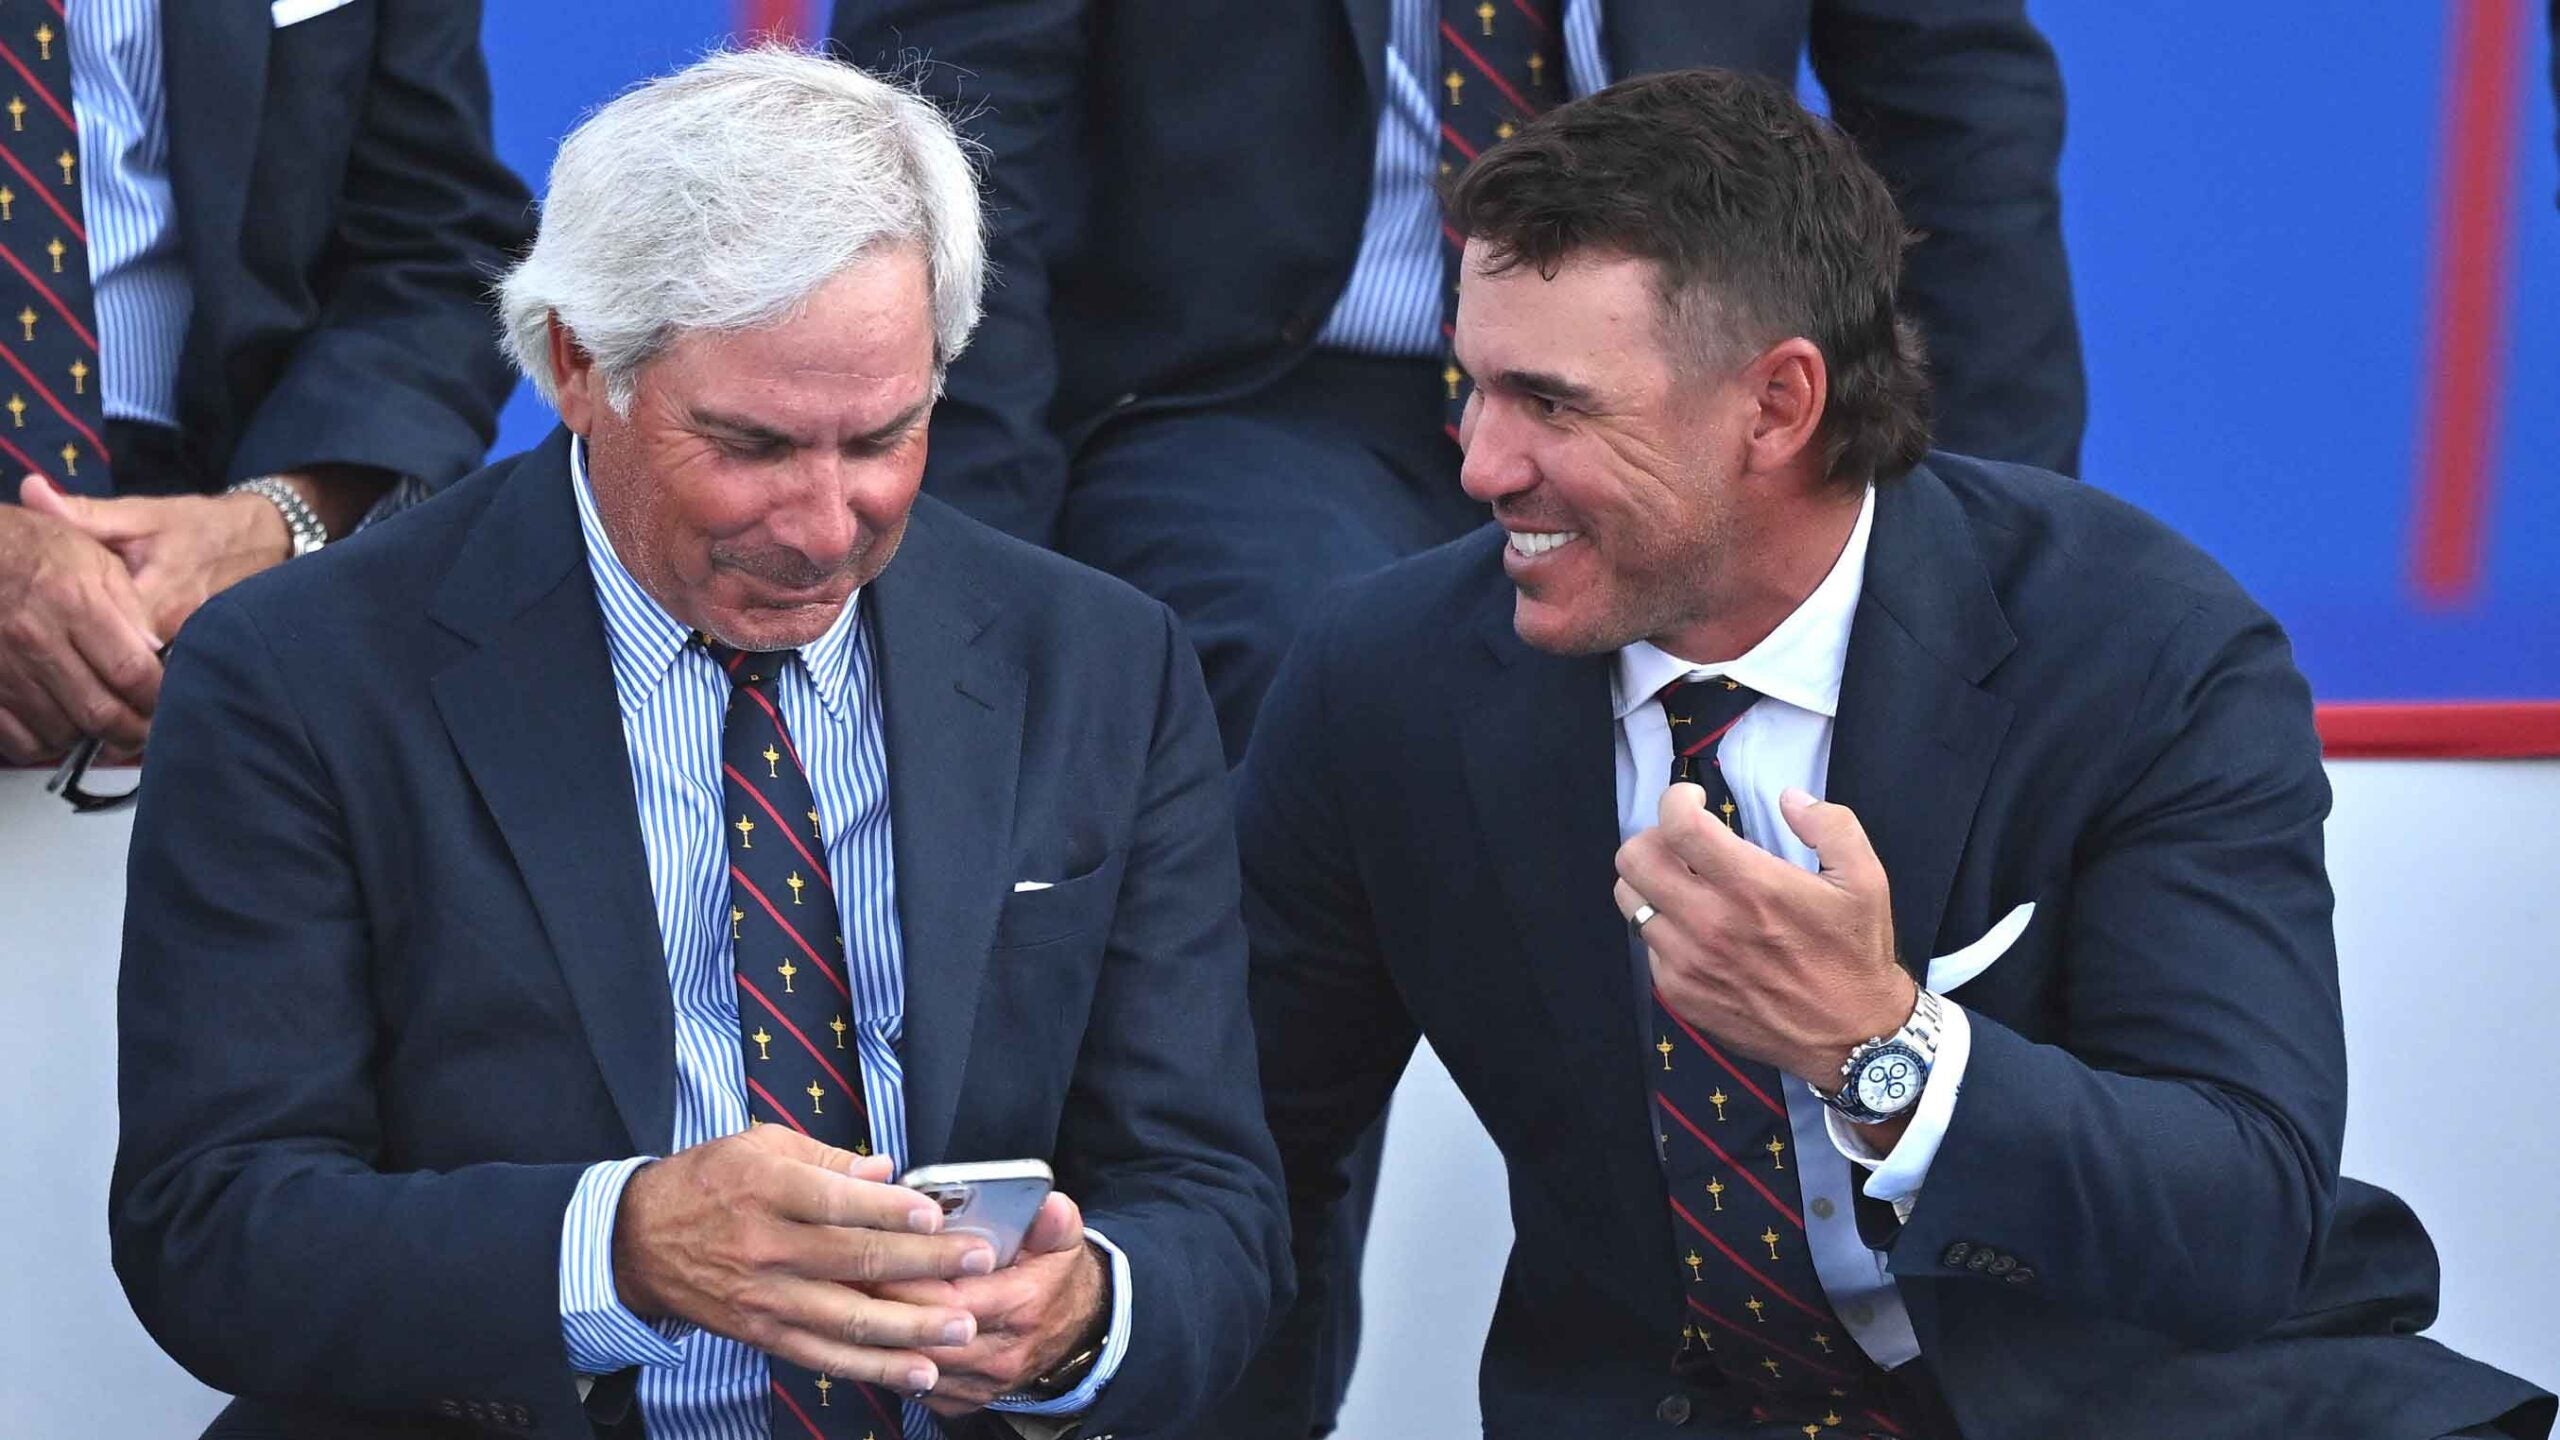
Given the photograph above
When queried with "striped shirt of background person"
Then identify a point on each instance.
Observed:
(674, 698)
(1391, 304)
(136, 271)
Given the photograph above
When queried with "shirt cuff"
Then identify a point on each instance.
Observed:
(601, 1333)
(1899, 1173)
(1114, 1346)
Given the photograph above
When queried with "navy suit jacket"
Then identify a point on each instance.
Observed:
(2047, 697)
(1177, 189)
(393, 979)
(341, 213)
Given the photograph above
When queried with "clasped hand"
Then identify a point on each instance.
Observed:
(809, 1253)
(1790, 967)
(88, 591)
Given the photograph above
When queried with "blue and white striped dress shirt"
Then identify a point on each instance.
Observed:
(1391, 304)
(136, 272)
(674, 698)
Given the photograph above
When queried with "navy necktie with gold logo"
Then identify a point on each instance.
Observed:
(1501, 62)
(51, 349)
(1756, 1318)
(795, 1002)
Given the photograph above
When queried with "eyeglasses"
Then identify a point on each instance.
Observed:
(70, 781)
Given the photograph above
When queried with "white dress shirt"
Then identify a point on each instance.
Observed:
(1784, 741)
(673, 701)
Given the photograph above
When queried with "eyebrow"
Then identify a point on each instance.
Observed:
(749, 430)
(1539, 382)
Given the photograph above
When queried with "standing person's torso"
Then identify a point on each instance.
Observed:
(1230, 150)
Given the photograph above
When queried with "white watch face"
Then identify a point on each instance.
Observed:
(1889, 1080)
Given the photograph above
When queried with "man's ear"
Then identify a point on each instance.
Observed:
(575, 378)
(1790, 387)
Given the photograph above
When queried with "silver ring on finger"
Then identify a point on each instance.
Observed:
(1644, 913)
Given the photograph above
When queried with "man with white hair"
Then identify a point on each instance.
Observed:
(558, 918)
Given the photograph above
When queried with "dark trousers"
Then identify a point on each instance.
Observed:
(1240, 516)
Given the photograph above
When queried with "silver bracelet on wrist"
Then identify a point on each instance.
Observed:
(300, 520)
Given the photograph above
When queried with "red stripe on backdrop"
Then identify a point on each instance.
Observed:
(2450, 730)
(783, 19)
(2470, 295)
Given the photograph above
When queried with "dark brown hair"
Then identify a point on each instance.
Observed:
(1763, 219)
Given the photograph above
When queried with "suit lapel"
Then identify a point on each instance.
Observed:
(952, 714)
(1539, 741)
(1369, 36)
(1916, 734)
(215, 75)
(533, 712)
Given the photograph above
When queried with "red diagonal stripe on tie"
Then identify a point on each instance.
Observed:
(1518, 101)
(824, 1063)
(1535, 18)
(59, 408)
(1717, 1056)
(81, 232)
(43, 91)
(52, 299)
(20, 456)
(1772, 1346)
(779, 728)
(1738, 1167)
(1709, 739)
(1457, 140)
(872, 1394)
(787, 1117)
(1746, 1267)
(739, 877)
(1883, 1422)
(790, 832)
(785, 1397)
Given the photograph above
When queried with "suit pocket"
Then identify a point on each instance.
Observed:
(1069, 907)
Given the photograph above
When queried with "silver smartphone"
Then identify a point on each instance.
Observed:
(994, 1198)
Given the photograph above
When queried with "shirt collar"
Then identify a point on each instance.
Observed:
(1798, 663)
(644, 641)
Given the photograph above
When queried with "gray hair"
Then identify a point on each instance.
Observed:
(721, 197)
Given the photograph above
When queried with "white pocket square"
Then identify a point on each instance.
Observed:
(1025, 887)
(294, 12)
(1951, 970)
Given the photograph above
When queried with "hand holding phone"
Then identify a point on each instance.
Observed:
(996, 1199)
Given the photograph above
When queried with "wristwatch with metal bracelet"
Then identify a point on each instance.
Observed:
(1884, 1076)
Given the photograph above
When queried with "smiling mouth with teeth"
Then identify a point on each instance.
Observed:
(1528, 542)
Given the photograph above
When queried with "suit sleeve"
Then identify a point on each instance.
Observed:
(402, 371)
(1334, 1036)
(2173, 1160)
(1011, 74)
(1163, 1126)
(1958, 103)
(252, 1221)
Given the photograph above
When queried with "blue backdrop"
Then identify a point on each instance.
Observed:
(2250, 198)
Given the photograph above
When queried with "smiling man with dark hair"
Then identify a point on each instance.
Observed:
(1873, 897)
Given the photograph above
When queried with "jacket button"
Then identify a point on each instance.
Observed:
(2022, 1276)
(1674, 1410)
(520, 1417)
(2003, 1264)
(1955, 1254)
(1979, 1260)
(449, 1408)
